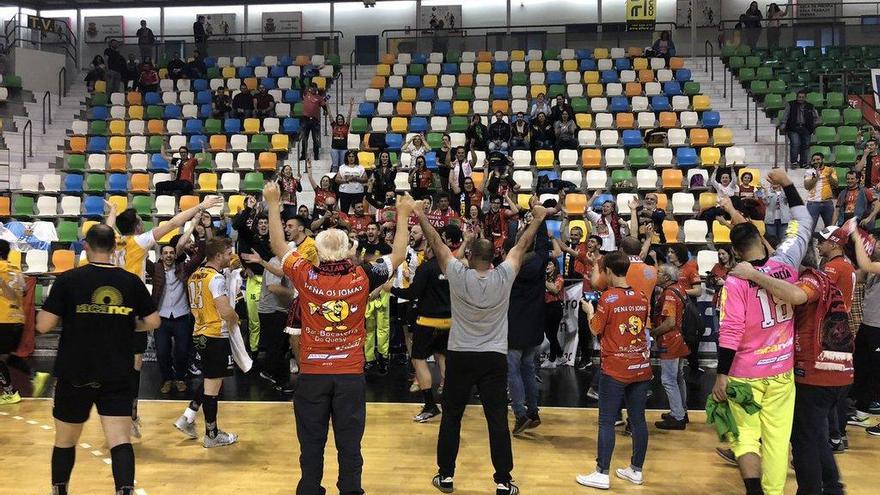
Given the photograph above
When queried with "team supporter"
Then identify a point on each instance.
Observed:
(378, 315)
(215, 316)
(756, 340)
(358, 221)
(619, 321)
(607, 224)
(253, 236)
(689, 276)
(323, 189)
(496, 222)
(132, 245)
(554, 295)
(100, 306)
(671, 346)
(443, 215)
(333, 297)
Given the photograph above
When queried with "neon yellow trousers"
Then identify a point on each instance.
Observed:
(252, 300)
(378, 327)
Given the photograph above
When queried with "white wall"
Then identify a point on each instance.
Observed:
(553, 12)
(38, 69)
(179, 20)
(476, 12)
(355, 20)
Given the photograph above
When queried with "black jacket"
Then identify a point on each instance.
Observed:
(199, 34)
(248, 239)
(499, 131)
(430, 288)
(525, 317)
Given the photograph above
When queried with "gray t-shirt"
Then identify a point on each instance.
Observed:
(871, 301)
(269, 302)
(479, 307)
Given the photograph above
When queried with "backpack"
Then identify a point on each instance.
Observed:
(692, 324)
(697, 181)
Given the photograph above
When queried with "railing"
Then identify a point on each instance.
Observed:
(748, 99)
(62, 84)
(352, 72)
(47, 98)
(339, 81)
(27, 133)
(710, 58)
(14, 34)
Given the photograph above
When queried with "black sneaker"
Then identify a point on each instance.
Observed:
(669, 415)
(845, 440)
(535, 421)
(521, 425)
(399, 359)
(837, 448)
(506, 489)
(727, 455)
(194, 370)
(874, 430)
(874, 408)
(383, 366)
(583, 364)
(670, 423)
(370, 367)
(285, 389)
(627, 430)
(443, 484)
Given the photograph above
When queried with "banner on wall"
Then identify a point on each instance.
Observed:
(219, 26)
(440, 17)
(568, 327)
(707, 13)
(282, 25)
(641, 15)
(818, 8)
(98, 29)
(875, 83)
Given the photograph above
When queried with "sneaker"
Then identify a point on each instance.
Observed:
(535, 421)
(285, 389)
(269, 378)
(186, 427)
(874, 408)
(627, 430)
(548, 365)
(631, 475)
(383, 366)
(594, 480)
(399, 359)
(619, 423)
(414, 387)
(583, 364)
(506, 489)
(136, 427)
(443, 484)
(166, 387)
(727, 455)
(221, 439)
(10, 398)
(194, 370)
(370, 367)
(593, 393)
(39, 381)
(670, 423)
(837, 447)
(181, 386)
(859, 418)
(426, 414)
(669, 415)
(874, 430)
(538, 378)
(521, 425)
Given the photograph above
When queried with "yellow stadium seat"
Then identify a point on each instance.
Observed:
(377, 82)
(251, 126)
(640, 63)
(100, 87)
(646, 75)
(117, 127)
(156, 126)
(591, 76)
(522, 201)
(722, 136)
(235, 203)
(633, 89)
(536, 65)
(701, 103)
(583, 120)
(139, 183)
(267, 161)
(460, 107)
(429, 80)
(756, 174)
(399, 124)
(575, 203)
(136, 112)
(500, 79)
(117, 162)
(699, 137)
(710, 156)
(570, 65)
(595, 90)
(502, 106)
(465, 79)
(120, 202)
(78, 144)
(407, 95)
(163, 73)
(280, 143)
(320, 82)
(217, 142)
(591, 158)
(366, 159)
(579, 224)
(228, 72)
(624, 120)
(517, 56)
(478, 178)
(484, 68)
(720, 233)
(671, 179)
(762, 227)
(599, 53)
(708, 200)
(537, 89)
(383, 70)
(207, 182)
(63, 260)
(670, 230)
(544, 159)
(86, 225)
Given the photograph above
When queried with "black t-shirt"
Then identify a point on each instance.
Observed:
(98, 305)
(374, 250)
(243, 101)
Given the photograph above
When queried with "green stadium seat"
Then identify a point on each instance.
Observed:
(825, 135)
(773, 104)
(213, 126)
(814, 53)
(777, 87)
(12, 81)
(253, 182)
(67, 231)
(519, 79)
(99, 100)
(333, 60)
(205, 161)
(155, 112)
(831, 116)
(259, 142)
(416, 69)
(790, 96)
(834, 52)
(691, 88)
(148, 225)
(824, 150)
(736, 63)
(464, 93)
(764, 73)
(453, 57)
(852, 116)
(834, 100)
(728, 51)
(214, 73)
(458, 124)
(298, 109)
(359, 125)
(155, 144)
(618, 176)
(435, 140)
(98, 128)
(638, 157)
(76, 163)
(746, 74)
(815, 99)
(758, 88)
(844, 154)
(551, 54)
(580, 105)
(94, 183)
(743, 50)
(23, 206)
(555, 90)
(143, 205)
(847, 134)
(841, 174)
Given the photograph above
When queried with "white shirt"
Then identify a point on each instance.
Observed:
(174, 302)
(603, 230)
(349, 172)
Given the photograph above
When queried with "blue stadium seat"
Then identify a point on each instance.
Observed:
(210, 61)
(671, 88)
(391, 95)
(442, 108)
(610, 76)
(73, 184)
(205, 111)
(93, 206)
(277, 71)
(393, 141)
(553, 228)
(431, 160)
(100, 113)
(413, 82)
(172, 112)
(290, 126)
(686, 157)
(157, 163)
(193, 126)
(204, 97)
(550, 174)
(427, 94)
(255, 61)
(200, 85)
(503, 66)
(683, 75)
(292, 96)
(450, 69)
(366, 109)
(232, 126)
(588, 64)
(711, 119)
(244, 72)
(285, 60)
(619, 104)
(660, 103)
(583, 53)
(117, 183)
(419, 58)
(152, 98)
(418, 124)
(197, 142)
(97, 144)
(268, 82)
(622, 64)
(554, 77)
(632, 138)
(500, 93)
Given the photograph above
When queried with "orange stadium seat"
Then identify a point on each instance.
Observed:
(575, 204)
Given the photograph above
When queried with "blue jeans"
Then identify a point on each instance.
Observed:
(521, 381)
(337, 157)
(173, 338)
(612, 394)
(777, 229)
(672, 378)
(799, 146)
(824, 209)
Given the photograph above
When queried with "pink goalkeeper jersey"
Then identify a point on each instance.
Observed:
(757, 327)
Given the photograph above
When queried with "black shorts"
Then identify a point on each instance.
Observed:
(10, 337)
(73, 403)
(139, 343)
(427, 341)
(213, 356)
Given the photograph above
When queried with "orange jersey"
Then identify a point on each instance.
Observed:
(619, 322)
(671, 344)
(843, 275)
(640, 276)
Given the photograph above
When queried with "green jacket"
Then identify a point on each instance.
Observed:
(719, 414)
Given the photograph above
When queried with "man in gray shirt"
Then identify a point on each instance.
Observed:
(276, 293)
(477, 350)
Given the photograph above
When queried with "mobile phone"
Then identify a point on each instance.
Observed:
(591, 296)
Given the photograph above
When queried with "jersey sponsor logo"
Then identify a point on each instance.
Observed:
(611, 298)
(105, 300)
(633, 326)
(325, 357)
(335, 311)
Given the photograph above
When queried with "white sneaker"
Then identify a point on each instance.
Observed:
(631, 475)
(594, 480)
(548, 365)
(220, 440)
(186, 427)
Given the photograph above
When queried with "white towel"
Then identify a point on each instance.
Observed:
(236, 342)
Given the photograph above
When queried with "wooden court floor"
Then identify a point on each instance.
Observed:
(399, 454)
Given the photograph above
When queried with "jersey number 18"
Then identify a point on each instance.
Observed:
(773, 312)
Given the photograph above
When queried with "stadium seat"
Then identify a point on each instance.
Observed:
(695, 231)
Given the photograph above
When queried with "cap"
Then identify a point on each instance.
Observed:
(831, 233)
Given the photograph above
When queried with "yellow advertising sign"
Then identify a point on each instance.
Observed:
(641, 15)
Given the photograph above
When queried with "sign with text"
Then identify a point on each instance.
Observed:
(45, 24)
(99, 29)
(282, 25)
(818, 8)
(219, 26)
(641, 15)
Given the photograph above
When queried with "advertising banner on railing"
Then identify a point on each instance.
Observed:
(98, 29)
(218, 26)
(817, 8)
(641, 15)
(282, 25)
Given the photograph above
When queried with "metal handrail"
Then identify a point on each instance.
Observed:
(351, 72)
(62, 84)
(339, 91)
(710, 57)
(756, 121)
(748, 97)
(47, 98)
(24, 136)
(731, 88)
(464, 30)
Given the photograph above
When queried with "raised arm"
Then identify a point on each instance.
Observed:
(792, 250)
(405, 206)
(111, 214)
(310, 176)
(863, 261)
(516, 254)
(277, 241)
(181, 243)
(181, 218)
(779, 289)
